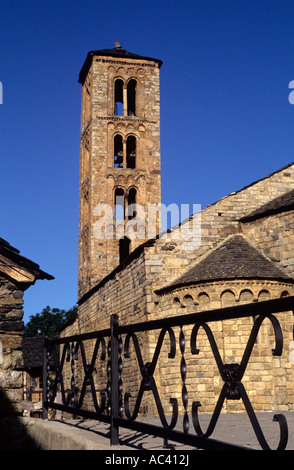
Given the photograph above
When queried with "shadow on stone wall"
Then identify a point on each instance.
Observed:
(13, 434)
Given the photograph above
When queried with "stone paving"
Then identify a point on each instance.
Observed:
(232, 428)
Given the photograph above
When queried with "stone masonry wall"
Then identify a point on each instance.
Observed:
(274, 236)
(123, 293)
(11, 327)
(169, 255)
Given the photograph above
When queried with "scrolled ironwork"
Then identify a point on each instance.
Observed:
(52, 357)
(233, 389)
(148, 382)
(78, 395)
(113, 405)
(74, 396)
(276, 351)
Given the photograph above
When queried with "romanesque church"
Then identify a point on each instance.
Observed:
(245, 252)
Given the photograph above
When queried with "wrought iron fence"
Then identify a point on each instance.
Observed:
(111, 347)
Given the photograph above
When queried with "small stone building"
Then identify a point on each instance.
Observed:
(17, 274)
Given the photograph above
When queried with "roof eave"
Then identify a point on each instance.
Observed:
(179, 285)
(111, 53)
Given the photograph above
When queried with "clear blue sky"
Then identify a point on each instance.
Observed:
(225, 116)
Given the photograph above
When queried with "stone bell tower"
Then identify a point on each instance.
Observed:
(119, 159)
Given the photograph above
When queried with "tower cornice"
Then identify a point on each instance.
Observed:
(117, 53)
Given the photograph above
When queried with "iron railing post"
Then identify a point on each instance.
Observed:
(114, 430)
(45, 378)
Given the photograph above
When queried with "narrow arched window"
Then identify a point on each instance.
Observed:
(132, 199)
(124, 248)
(118, 151)
(118, 98)
(119, 204)
(131, 94)
(131, 151)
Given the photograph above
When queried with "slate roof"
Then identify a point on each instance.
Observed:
(115, 52)
(14, 255)
(236, 258)
(280, 204)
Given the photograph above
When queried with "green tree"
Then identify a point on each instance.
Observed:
(50, 322)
